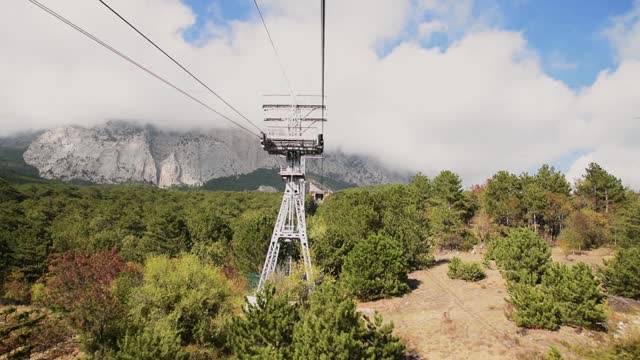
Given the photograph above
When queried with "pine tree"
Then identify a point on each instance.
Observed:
(266, 329)
(376, 268)
(522, 255)
(331, 328)
(622, 274)
(600, 188)
(576, 292)
(379, 341)
(533, 307)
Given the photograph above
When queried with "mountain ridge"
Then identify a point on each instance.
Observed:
(120, 151)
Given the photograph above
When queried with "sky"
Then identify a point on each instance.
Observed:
(473, 86)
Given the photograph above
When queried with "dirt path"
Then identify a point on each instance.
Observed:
(453, 319)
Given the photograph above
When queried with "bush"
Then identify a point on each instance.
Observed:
(266, 329)
(376, 268)
(331, 328)
(533, 307)
(471, 271)
(182, 295)
(522, 255)
(154, 343)
(621, 276)
(566, 296)
(576, 291)
(553, 354)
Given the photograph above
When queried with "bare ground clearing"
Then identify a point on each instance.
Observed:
(453, 319)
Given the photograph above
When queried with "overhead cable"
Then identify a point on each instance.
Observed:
(177, 63)
(135, 63)
(275, 51)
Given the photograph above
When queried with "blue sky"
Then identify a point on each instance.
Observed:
(567, 34)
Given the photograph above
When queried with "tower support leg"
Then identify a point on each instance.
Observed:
(290, 226)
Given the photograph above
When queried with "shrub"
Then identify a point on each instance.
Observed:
(471, 271)
(576, 291)
(621, 276)
(182, 294)
(533, 307)
(376, 268)
(522, 255)
(154, 343)
(566, 296)
(331, 328)
(266, 329)
(553, 354)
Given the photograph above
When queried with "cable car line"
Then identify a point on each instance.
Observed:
(275, 51)
(135, 63)
(177, 63)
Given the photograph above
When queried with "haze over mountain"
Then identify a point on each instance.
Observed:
(122, 151)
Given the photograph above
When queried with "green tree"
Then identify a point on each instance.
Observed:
(621, 275)
(522, 255)
(577, 293)
(552, 181)
(533, 307)
(627, 225)
(331, 328)
(156, 342)
(251, 237)
(600, 188)
(167, 233)
(182, 294)
(376, 268)
(534, 201)
(266, 329)
(502, 198)
(585, 229)
(422, 188)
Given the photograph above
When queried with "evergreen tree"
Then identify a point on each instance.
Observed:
(379, 341)
(552, 181)
(251, 237)
(157, 342)
(376, 268)
(266, 329)
(330, 328)
(502, 198)
(600, 188)
(167, 233)
(422, 188)
(627, 226)
(522, 255)
(576, 292)
(621, 275)
(533, 307)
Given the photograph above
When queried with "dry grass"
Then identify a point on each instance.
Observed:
(453, 319)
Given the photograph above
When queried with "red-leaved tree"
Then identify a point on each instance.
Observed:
(81, 284)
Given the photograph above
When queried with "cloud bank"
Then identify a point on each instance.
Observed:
(481, 104)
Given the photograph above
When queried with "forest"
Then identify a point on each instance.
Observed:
(136, 272)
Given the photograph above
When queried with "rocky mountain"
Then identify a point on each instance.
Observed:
(121, 151)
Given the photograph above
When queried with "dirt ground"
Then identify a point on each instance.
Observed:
(453, 319)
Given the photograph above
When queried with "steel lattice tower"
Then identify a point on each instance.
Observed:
(291, 134)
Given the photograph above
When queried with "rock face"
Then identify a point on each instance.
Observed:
(121, 151)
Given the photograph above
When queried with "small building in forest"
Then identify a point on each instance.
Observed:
(318, 193)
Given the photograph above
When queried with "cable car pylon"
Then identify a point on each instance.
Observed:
(291, 135)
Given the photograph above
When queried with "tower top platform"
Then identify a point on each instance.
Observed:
(293, 124)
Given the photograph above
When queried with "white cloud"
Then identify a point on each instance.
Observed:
(557, 61)
(481, 105)
(428, 28)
